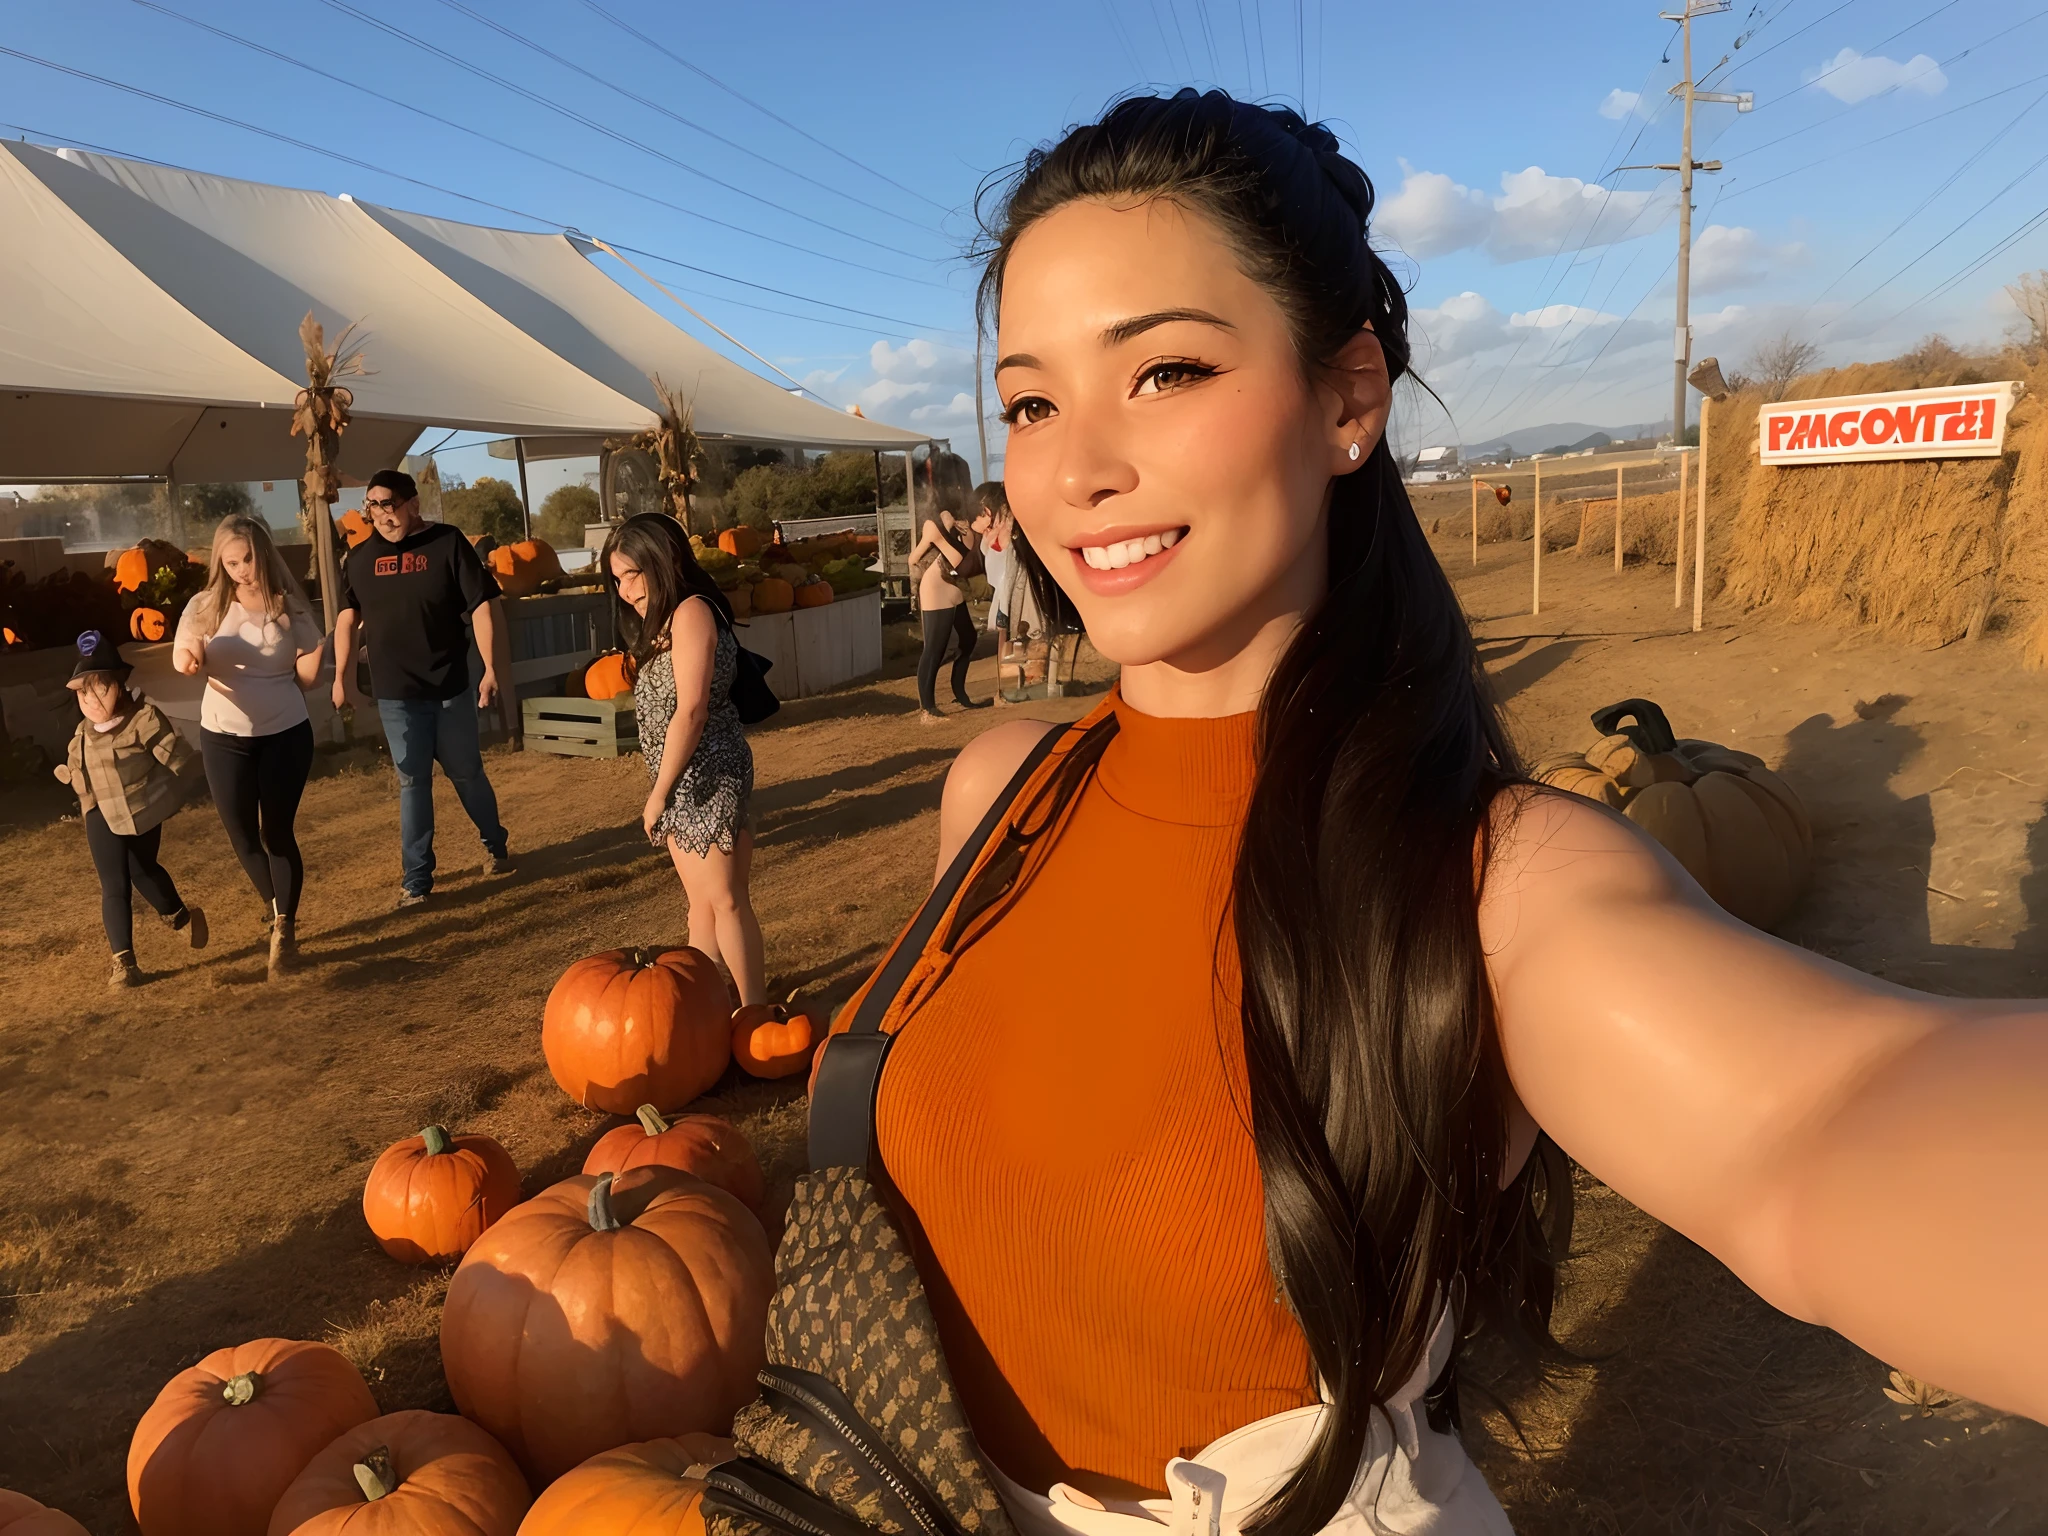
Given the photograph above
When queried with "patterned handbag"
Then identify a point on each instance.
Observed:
(858, 1428)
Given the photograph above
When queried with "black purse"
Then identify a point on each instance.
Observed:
(750, 693)
(859, 1429)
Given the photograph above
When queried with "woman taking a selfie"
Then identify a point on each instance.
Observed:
(1283, 1127)
(677, 629)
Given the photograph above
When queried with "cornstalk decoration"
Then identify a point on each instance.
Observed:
(320, 415)
(675, 447)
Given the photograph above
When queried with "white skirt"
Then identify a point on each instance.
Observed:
(1412, 1481)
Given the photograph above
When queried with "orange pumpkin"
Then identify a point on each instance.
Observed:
(1503, 495)
(608, 676)
(637, 1026)
(407, 1474)
(609, 1309)
(741, 543)
(711, 1148)
(132, 569)
(646, 1489)
(147, 624)
(354, 526)
(742, 599)
(21, 1515)
(773, 595)
(770, 1040)
(814, 594)
(430, 1196)
(522, 567)
(224, 1439)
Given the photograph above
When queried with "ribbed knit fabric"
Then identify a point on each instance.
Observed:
(1067, 1119)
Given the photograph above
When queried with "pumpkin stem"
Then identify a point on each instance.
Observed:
(436, 1138)
(650, 1120)
(599, 1210)
(243, 1388)
(375, 1475)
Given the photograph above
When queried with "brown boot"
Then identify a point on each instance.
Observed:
(284, 945)
(126, 972)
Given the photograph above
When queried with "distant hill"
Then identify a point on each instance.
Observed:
(1561, 437)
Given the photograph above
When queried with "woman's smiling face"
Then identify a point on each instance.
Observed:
(1169, 457)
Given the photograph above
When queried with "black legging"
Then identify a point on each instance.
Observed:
(123, 859)
(941, 625)
(256, 783)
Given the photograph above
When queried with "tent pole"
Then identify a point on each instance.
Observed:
(910, 502)
(525, 501)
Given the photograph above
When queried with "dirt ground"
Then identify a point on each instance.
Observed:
(181, 1166)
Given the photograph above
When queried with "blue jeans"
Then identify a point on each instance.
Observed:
(422, 732)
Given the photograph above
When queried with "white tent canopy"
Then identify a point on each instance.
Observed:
(151, 328)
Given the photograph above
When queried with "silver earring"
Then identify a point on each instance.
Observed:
(1354, 453)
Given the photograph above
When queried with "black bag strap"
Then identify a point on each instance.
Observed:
(850, 1064)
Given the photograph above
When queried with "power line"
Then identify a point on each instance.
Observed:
(346, 9)
(590, 176)
(655, 106)
(711, 79)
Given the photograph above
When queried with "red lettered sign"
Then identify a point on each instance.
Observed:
(1964, 422)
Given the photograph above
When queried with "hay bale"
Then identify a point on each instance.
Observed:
(1648, 527)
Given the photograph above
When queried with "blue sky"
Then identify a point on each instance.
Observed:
(819, 163)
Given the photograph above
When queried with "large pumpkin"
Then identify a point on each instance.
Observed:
(773, 1039)
(407, 1474)
(1738, 828)
(814, 594)
(609, 1309)
(430, 1196)
(773, 595)
(646, 1489)
(147, 624)
(354, 526)
(608, 676)
(21, 1515)
(522, 567)
(741, 543)
(637, 1026)
(742, 599)
(223, 1440)
(711, 1148)
(131, 570)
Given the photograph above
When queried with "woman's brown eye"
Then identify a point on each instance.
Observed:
(1168, 375)
(1028, 410)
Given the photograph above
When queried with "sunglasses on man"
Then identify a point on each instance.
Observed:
(381, 506)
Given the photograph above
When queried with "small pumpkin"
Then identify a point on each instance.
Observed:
(711, 1148)
(1503, 495)
(741, 543)
(430, 1196)
(773, 1039)
(638, 1026)
(521, 568)
(773, 595)
(644, 1488)
(354, 526)
(407, 1474)
(147, 624)
(1739, 830)
(131, 570)
(21, 1515)
(224, 1439)
(814, 594)
(606, 1310)
(741, 596)
(608, 676)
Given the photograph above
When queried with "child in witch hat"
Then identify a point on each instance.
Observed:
(124, 763)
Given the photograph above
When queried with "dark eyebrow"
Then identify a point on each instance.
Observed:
(1018, 360)
(1116, 335)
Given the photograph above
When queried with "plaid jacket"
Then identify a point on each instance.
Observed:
(131, 773)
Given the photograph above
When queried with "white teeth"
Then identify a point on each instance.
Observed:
(1114, 557)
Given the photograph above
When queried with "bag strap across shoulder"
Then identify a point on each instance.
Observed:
(850, 1066)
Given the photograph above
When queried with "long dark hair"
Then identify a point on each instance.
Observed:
(659, 549)
(1378, 1094)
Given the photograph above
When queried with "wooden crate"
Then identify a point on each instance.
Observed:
(581, 727)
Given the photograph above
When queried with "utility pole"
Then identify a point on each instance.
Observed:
(1742, 101)
(980, 415)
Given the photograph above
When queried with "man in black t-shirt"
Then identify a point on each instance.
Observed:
(411, 585)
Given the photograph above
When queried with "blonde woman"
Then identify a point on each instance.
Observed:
(253, 635)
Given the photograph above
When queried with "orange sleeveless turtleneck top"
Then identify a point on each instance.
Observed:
(1066, 1116)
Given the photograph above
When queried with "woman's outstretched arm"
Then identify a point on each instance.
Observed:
(1866, 1157)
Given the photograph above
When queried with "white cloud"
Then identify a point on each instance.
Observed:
(1534, 214)
(1554, 317)
(1736, 256)
(916, 358)
(1852, 77)
(1620, 103)
(1463, 326)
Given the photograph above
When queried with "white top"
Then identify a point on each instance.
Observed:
(252, 688)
